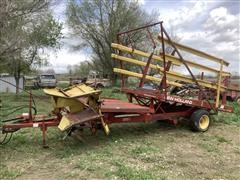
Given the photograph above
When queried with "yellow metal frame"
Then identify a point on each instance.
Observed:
(173, 59)
(141, 53)
(72, 91)
(73, 105)
(194, 51)
(138, 75)
(75, 99)
(219, 85)
(196, 65)
(170, 74)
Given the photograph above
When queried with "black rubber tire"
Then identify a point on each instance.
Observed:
(99, 86)
(196, 118)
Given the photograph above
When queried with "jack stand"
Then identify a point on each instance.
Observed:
(44, 130)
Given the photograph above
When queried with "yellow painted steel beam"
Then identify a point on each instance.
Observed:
(138, 75)
(138, 52)
(194, 51)
(219, 86)
(187, 79)
(133, 61)
(170, 74)
(190, 63)
(173, 59)
(196, 65)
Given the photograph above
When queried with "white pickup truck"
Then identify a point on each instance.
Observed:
(46, 80)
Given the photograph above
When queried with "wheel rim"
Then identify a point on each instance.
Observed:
(204, 122)
(238, 101)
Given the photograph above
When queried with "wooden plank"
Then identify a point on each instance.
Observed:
(194, 51)
(141, 53)
(170, 74)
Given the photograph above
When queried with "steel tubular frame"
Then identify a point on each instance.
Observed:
(146, 70)
(144, 105)
(42, 124)
(166, 66)
(149, 58)
(189, 70)
(164, 80)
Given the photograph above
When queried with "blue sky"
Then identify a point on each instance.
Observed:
(211, 26)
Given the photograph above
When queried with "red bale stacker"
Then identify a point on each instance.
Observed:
(171, 96)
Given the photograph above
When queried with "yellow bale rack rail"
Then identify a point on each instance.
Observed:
(131, 55)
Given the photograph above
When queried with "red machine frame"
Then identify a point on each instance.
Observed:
(143, 106)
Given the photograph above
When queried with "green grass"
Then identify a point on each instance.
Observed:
(209, 147)
(11, 101)
(113, 92)
(221, 139)
(7, 173)
(62, 84)
(131, 151)
(229, 118)
(127, 172)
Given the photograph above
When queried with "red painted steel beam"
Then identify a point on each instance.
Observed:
(139, 28)
(164, 78)
(172, 115)
(115, 105)
(188, 102)
(146, 70)
(111, 118)
(26, 124)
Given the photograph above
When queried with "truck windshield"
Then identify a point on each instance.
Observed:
(47, 77)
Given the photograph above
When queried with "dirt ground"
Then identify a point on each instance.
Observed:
(131, 151)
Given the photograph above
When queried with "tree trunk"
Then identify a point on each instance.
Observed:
(113, 79)
(17, 80)
(17, 76)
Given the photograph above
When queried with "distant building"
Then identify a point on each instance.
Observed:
(7, 87)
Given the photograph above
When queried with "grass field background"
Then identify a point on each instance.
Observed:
(131, 151)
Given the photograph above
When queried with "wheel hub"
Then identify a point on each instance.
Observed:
(204, 122)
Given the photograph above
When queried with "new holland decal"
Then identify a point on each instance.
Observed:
(178, 99)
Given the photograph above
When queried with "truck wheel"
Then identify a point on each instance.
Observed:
(238, 100)
(36, 86)
(99, 86)
(200, 120)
